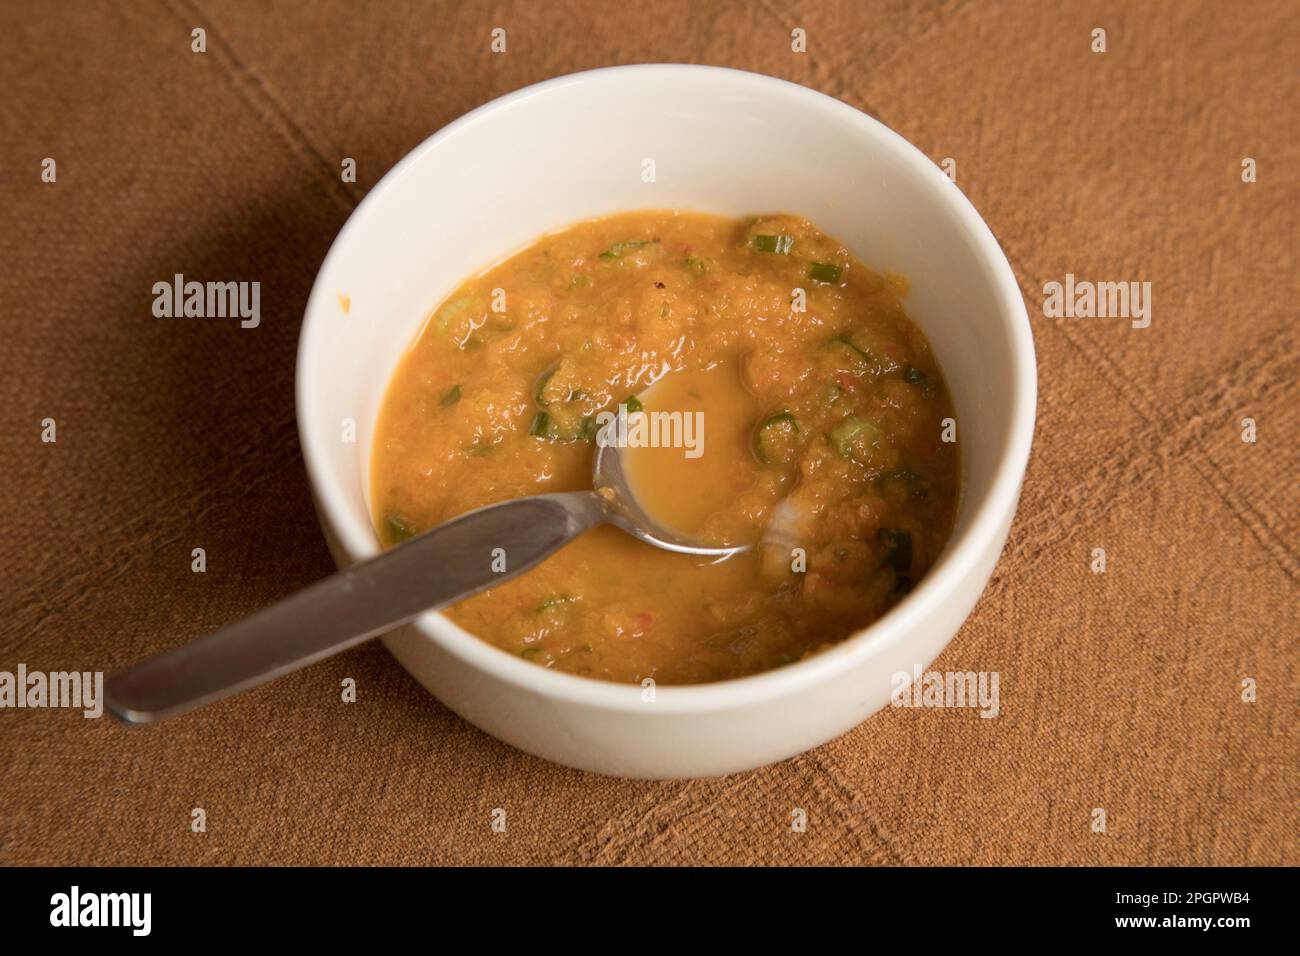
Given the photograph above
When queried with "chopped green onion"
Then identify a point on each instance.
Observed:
(781, 245)
(780, 417)
(633, 404)
(541, 386)
(696, 264)
(452, 309)
(852, 434)
(452, 397)
(898, 549)
(398, 528)
(908, 478)
(825, 272)
(782, 420)
(617, 249)
(865, 354)
(544, 426)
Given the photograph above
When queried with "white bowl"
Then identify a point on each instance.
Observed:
(725, 142)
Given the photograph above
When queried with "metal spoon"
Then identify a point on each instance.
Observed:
(430, 571)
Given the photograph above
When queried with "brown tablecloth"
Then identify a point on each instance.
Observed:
(1121, 691)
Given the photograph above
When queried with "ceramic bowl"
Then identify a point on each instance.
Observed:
(724, 142)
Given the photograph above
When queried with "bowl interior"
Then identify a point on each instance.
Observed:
(650, 137)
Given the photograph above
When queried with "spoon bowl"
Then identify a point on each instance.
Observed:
(623, 510)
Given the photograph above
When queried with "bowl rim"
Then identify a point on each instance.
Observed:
(357, 538)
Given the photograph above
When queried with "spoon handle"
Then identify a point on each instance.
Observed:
(439, 567)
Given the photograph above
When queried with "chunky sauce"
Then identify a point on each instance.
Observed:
(823, 444)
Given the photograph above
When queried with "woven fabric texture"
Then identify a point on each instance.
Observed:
(1121, 691)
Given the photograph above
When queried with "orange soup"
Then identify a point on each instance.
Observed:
(824, 440)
